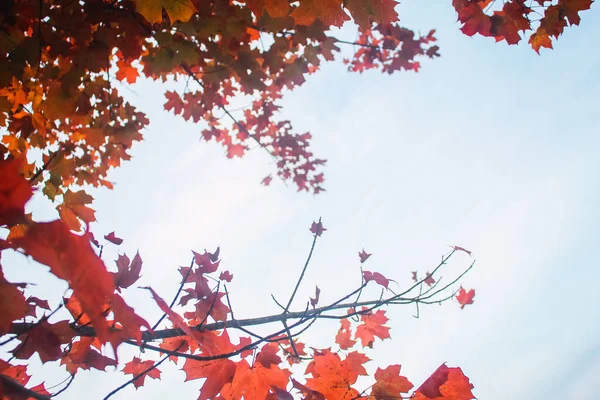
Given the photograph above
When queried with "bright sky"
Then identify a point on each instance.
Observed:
(490, 147)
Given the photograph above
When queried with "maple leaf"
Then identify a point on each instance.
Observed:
(126, 71)
(539, 39)
(174, 102)
(377, 277)
(141, 369)
(458, 248)
(414, 276)
(315, 300)
(268, 355)
(571, 9)
(474, 20)
(52, 244)
(226, 276)
(178, 10)
(128, 272)
(254, 382)
(267, 180)
(317, 228)
(32, 303)
(429, 279)
(12, 304)
(465, 297)
(74, 208)
(275, 8)
(46, 340)
(445, 383)
(179, 344)
(15, 191)
(332, 377)
(207, 263)
(371, 326)
(367, 12)
(344, 335)
(390, 384)
(82, 356)
(364, 256)
(212, 306)
(175, 318)
(217, 372)
(330, 12)
(307, 392)
(113, 239)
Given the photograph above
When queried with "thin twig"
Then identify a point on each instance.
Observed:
(312, 247)
(183, 282)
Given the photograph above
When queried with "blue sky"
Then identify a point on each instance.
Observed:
(490, 147)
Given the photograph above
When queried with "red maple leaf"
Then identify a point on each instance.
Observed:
(367, 12)
(53, 244)
(254, 382)
(113, 239)
(429, 279)
(414, 276)
(390, 384)
(465, 297)
(45, 339)
(217, 372)
(317, 228)
(128, 272)
(333, 377)
(458, 248)
(84, 357)
(344, 335)
(363, 255)
(207, 262)
(315, 300)
(175, 318)
(141, 369)
(371, 326)
(174, 102)
(12, 304)
(226, 276)
(445, 383)
(267, 180)
(126, 71)
(377, 277)
(15, 191)
(330, 12)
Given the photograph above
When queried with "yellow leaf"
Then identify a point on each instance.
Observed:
(178, 10)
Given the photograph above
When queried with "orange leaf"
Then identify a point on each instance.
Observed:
(540, 39)
(390, 384)
(178, 10)
(371, 326)
(367, 12)
(332, 377)
(254, 383)
(445, 384)
(343, 337)
(330, 12)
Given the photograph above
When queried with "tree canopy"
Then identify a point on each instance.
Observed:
(65, 126)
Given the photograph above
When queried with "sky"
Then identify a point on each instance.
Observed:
(490, 147)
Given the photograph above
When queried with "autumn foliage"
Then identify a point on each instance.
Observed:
(65, 126)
